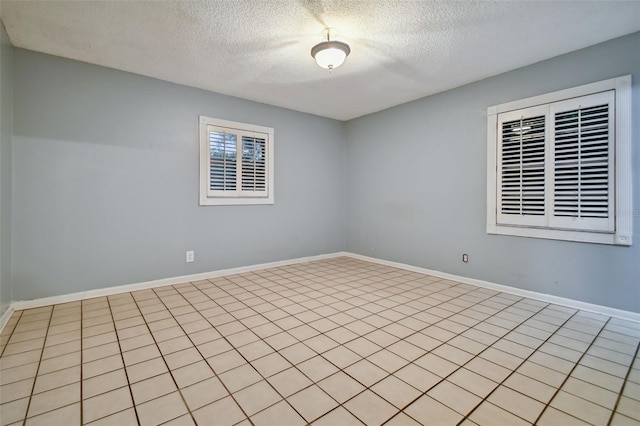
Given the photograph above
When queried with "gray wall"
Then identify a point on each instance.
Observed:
(105, 178)
(417, 186)
(6, 106)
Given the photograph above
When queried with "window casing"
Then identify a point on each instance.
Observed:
(236, 163)
(559, 165)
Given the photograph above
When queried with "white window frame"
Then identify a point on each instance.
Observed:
(622, 213)
(238, 196)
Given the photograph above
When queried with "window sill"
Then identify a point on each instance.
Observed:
(557, 234)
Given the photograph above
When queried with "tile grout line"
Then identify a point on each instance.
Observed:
(13, 329)
(196, 347)
(474, 357)
(488, 297)
(124, 366)
(453, 285)
(575, 364)
(624, 383)
(235, 349)
(35, 377)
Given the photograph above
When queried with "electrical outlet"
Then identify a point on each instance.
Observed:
(465, 258)
(190, 256)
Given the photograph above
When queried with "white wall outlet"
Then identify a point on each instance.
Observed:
(190, 256)
(465, 258)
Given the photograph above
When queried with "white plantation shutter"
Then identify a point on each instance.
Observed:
(236, 163)
(555, 165)
(222, 161)
(583, 150)
(254, 165)
(521, 167)
(559, 165)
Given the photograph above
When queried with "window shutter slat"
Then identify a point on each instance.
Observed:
(222, 161)
(583, 161)
(522, 166)
(254, 164)
(581, 168)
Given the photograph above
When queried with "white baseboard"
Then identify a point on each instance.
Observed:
(4, 319)
(46, 301)
(599, 309)
(53, 300)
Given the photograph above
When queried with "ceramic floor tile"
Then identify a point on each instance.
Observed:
(162, 409)
(312, 403)
(454, 397)
(553, 417)
(371, 337)
(338, 416)
(590, 392)
(106, 404)
(225, 411)
(101, 366)
(427, 410)
(401, 419)
(341, 387)
(366, 372)
(15, 390)
(240, 377)
(13, 411)
(271, 364)
(516, 403)
(226, 361)
(20, 359)
(370, 408)
(54, 399)
(152, 388)
(487, 414)
(280, 413)
(317, 368)
(192, 373)
(629, 407)
(59, 363)
(418, 377)
(289, 381)
(530, 387)
(62, 416)
(146, 369)
(204, 393)
(580, 408)
(103, 383)
(256, 397)
(396, 391)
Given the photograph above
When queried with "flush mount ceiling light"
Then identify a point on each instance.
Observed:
(330, 54)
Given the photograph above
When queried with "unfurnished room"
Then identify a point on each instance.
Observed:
(319, 212)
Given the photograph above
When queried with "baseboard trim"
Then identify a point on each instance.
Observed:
(72, 297)
(46, 301)
(4, 319)
(571, 303)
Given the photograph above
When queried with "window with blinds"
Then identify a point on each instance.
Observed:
(236, 164)
(561, 169)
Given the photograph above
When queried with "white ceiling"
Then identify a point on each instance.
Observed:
(259, 49)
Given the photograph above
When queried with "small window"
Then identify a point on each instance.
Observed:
(559, 165)
(236, 163)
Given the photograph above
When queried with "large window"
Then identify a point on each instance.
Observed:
(236, 163)
(559, 165)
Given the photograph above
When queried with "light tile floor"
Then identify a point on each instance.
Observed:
(332, 342)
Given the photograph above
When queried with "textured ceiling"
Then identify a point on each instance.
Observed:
(259, 49)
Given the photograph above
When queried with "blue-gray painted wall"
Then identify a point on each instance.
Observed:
(105, 179)
(105, 183)
(417, 186)
(6, 131)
